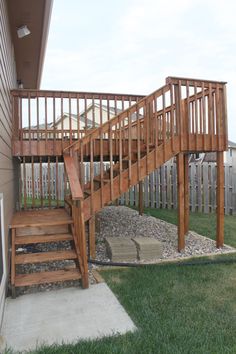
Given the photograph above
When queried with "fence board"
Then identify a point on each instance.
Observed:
(160, 187)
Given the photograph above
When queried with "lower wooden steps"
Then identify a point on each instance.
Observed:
(45, 257)
(31, 239)
(47, 277)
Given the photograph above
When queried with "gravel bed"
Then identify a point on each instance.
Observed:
(121, 221)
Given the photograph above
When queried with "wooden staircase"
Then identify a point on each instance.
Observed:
(34, 228)
(182, 117)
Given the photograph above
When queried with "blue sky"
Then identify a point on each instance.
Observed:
(129, 46)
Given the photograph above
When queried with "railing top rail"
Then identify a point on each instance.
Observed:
(24, 93)
(191, 82)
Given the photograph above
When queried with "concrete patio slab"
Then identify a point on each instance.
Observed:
(66, 315)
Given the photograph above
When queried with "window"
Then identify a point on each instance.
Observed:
(230, 152)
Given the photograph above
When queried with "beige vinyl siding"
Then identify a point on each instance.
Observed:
(8, 167)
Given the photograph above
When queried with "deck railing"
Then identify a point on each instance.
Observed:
(59, 115)
(186, 114)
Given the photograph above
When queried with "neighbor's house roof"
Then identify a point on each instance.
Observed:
(74, 117)
(29, 51)
(231, 144)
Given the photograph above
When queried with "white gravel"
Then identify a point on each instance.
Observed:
(124, 222)
(121, 221)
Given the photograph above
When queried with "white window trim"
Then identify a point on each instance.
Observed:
(4, 273)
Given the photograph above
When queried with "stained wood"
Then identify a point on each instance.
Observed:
(83, 248)
(92, 244)
(186, 193)
(41, 218)
(181, 206)
(31, 239)
(75, 186)
(47, 277)
(44, 257)
(220, 200)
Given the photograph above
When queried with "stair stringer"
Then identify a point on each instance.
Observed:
(148, 164)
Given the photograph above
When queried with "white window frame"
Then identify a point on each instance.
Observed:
(4, 273)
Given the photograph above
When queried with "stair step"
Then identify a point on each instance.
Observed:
(87, 191)
(98, 179)
(44, 257)
(47, 277)
(25, 240)
(126, 159)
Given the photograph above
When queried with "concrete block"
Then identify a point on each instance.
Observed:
(121, 249)
(148, 248)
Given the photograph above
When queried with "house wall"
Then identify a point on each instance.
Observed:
(230, 156)
(8, 167)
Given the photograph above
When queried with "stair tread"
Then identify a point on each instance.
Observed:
(44, 257)
(24, 240)
(40, 218)
(47, 277)
(98, 179)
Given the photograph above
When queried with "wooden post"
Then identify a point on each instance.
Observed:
(92, 245)
(181, 224)
(220, 200)
(83, 248)
(140, 204)
(186, 194)
(16, 118)
(13, 264)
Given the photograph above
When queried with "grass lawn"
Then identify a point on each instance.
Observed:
(176, 310)
(204, 224)
(37, 202)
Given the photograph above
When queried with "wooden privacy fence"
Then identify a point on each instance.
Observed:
(159, 188)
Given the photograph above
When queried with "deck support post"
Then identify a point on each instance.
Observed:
(186, 194)
(92, 245)
(140, 204)
(181, 199)
(220, 200)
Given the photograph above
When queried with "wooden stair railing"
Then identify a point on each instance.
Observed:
(77, 209)
(182, 116)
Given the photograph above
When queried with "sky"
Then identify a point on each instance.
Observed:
(131, 46)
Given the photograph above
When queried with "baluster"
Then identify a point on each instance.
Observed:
(111, 162)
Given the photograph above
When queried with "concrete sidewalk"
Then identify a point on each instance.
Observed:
(66, 315)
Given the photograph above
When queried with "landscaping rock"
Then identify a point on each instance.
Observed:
(124, 222)
(121, 249)
(148, 248)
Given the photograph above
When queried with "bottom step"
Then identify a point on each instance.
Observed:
(47, 277)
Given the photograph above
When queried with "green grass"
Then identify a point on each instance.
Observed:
(176, 309)
(204, 224)
(37, 202)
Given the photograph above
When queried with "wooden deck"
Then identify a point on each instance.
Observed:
(136, 135)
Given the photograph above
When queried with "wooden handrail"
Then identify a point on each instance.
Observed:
(75, 186)
(23, 93)
(121, 116)
(192, 82)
